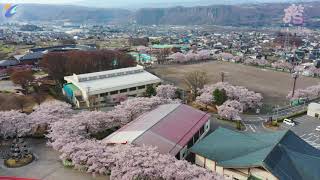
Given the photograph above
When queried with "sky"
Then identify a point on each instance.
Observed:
(140, 3)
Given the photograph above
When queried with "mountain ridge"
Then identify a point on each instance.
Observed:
(257, 15)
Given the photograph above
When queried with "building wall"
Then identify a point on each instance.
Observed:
(201, 134)
(229, 173)
(313, 113)
(314, 110)
(112, 97)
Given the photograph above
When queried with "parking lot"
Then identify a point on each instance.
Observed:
(306, 128)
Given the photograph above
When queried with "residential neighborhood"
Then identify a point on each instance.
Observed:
(159, 91)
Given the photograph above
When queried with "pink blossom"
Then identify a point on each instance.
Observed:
(309, 92)
(248, 99)
(282, 65)
(178, 57)
(166, 91)
(230, 110)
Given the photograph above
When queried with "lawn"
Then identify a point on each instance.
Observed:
(273, 85)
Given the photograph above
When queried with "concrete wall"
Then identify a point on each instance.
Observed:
(314, 110)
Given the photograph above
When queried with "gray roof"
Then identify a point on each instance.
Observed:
(31, 56)
(5, 63)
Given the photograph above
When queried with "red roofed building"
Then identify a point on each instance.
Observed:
(172, 128)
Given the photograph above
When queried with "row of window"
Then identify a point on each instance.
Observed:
(122, 91)
(196, 136)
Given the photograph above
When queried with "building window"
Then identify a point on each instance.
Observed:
(178, 156)
(133, 89)
(142, 87)
(113, 92)
(123, 90)
(190, 143)
(104, 94)
(196, 137)
(202, 130)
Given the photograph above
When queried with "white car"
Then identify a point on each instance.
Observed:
(289, 122)
(318, 128)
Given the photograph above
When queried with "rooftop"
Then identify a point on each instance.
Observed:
(282, 153)
(168, 127)
(106, 81)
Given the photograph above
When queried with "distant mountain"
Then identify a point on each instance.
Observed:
(261, 14)
(137, 4)
(267, 14)
(78, 14)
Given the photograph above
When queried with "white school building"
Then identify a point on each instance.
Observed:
(99, 88)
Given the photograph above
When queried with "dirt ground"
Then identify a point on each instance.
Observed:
(273, 85)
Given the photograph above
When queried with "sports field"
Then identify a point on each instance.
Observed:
(273, 85)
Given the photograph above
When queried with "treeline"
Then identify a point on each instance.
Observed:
(60, 64)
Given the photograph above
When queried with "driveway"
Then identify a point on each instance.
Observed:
(46, 166)
(305, 128)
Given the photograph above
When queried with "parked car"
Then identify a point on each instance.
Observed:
(318, 128)
(289, 122)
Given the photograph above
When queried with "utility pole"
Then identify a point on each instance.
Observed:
(295, 77)
(222, 76)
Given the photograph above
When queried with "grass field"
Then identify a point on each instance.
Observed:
(273, 85)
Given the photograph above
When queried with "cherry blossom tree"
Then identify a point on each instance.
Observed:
(314, 71)
(48, 113)
(166, 91)
(13, 123)
(178, 57)
(226, 56)
(70, 134)
(205, 98)
(230, 110)
(204, 55)
(248, 99)
(282, 65)
(190, 56)
(309, 92)
(256, 62)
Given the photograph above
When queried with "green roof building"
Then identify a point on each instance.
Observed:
(279, 155)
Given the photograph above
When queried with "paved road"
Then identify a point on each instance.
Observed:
(254, 123)
(305, 128)
(46, 167)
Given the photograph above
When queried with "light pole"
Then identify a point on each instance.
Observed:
(295, 76)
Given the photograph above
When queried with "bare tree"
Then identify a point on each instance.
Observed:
(38, 97)
(196, 80)
(21, 102)
(23, 78)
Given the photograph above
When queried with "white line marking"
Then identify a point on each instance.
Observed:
(245, 125)
(251, 128)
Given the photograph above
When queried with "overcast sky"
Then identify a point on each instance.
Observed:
(141, 3)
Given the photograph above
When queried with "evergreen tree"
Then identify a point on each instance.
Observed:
(219, 96)
(150, 91)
